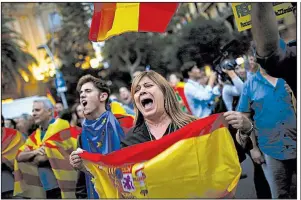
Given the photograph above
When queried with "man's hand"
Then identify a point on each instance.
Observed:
(257, 156)
(212, 79)
(288, 88)
(40, 151)
(238, 120)
(76, 161)
(231, 73)
(39, 159)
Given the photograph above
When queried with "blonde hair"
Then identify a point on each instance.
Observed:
(171, 105)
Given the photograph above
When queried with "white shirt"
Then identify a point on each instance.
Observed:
(198, 98)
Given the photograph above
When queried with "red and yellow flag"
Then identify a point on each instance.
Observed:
(11, 141)
(60, 140)
(50, 97)
(110, 19)
(180, 89)
(125, 120)
(197, 161)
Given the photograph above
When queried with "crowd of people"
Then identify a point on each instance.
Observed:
(258, 101)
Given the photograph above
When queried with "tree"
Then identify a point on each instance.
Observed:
(129, 51)
(14, 57)
(71, 44)
(202, 39)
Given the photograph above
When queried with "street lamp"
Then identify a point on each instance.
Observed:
(58, 74)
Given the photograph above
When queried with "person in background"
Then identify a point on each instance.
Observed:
(34, 153)
(126, 98)
(278, 59)
(230, 91)
(274, 148)
(59, 108)
(101, 132)
(11, 141)
(115, 104)
(176, 81)
(26, 125)
(77, 115)
(197, 96)
(10, 123)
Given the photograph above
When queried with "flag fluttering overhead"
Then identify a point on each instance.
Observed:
(197, 161)
(110, 19)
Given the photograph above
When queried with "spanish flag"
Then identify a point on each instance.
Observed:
(50, 97)
(110, 19)
(180, 90)
(125, 120)
(11, 141)
(60, 140)
(197, 161)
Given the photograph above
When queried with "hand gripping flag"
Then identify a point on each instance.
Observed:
(110, 19)
(60, 140)
(11, 141)
(197, 161)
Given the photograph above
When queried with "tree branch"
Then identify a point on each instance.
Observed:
(137, 61)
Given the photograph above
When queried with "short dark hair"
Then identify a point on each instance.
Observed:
(187, 67)
(13, 122)
(98, 83)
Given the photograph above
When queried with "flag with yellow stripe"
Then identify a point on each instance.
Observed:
(11, 141)
(59, 141)
(197, 161)
(125, 120)
(110, 19)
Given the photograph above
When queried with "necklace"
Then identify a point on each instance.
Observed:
(149, 133)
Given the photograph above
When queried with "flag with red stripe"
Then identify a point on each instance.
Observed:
(110, 19)
(197, 161)
(59, 141)
(11, 141)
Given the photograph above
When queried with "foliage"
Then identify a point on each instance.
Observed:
(14, 56)
(70, 44)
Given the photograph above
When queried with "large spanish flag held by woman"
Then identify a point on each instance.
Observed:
(110, 19)
(197, 161)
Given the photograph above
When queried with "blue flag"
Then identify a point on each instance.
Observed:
(100, 136)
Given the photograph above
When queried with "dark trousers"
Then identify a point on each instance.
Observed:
(7, 195)
(54, 194)
(261, 184)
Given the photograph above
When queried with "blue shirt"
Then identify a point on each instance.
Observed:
(198, 98)
(46, 174)
(274, 116)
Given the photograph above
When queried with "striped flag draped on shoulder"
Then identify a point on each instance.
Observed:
(11, 141)
(60, 140)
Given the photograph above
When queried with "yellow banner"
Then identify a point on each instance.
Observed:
(242, 13)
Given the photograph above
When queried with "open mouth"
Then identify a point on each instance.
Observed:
(84, 103)
(147, 103)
